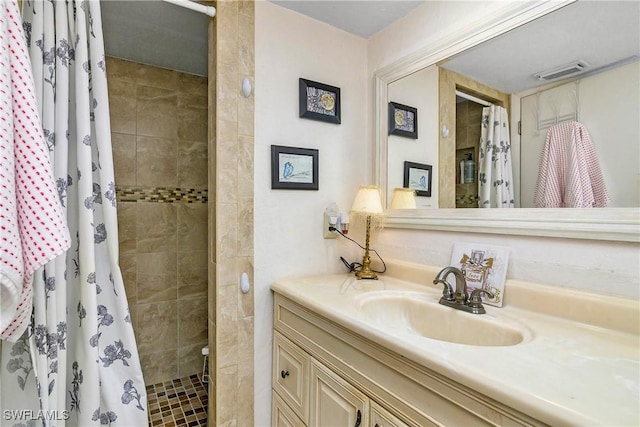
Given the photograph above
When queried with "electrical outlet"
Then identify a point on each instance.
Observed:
(325, 227)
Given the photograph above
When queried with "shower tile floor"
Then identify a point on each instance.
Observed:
(181, 402)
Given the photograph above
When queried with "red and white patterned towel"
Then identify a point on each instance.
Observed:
(569, 175)
(33, 230)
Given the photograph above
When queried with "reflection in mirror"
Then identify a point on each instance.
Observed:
(602, 95)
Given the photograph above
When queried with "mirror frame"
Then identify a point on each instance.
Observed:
(614, 224)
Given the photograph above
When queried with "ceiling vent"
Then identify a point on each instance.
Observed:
(564, 71)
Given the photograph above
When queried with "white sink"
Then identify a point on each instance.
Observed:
(420, 314)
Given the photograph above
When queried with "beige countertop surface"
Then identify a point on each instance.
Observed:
(579, 362)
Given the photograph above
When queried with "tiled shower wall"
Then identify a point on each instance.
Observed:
(231, 44)
(159, 136)
(468, 121)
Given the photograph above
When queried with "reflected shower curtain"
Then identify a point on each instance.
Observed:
(495, 179)
(78, 363)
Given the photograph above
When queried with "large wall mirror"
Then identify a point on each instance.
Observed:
(544, 64)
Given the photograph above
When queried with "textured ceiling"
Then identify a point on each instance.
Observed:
(601, 33)
(361, 17)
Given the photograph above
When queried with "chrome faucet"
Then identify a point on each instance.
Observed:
(459, 299)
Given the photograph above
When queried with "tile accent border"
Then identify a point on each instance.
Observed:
(161, 195)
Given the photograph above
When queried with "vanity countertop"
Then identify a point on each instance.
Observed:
(566, 372)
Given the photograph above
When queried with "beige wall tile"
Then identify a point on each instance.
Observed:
(127, 236)
(227, 22)
(245, 166)
(245, 226)
(227, 386)
(227, 231)
(122, 106)
(212, 297)
(156, 227)
(227, 146)
(192, 164)
(190, 359)
(160, 366)
(245, 115)
(124, 158)
(192, 227)
(156, 112)
(245, 371)
(246, 24)
(233, 214)
(192, 322)
(192, 275)
(246, 7)
(121, 69)
(150, 107)
(228, 92)
(227, 190)
(149, 75)
(227, 332)
(157, 327)
(129, 277)
(156, 277)
(192, 84)
(156, 162)
(192, 117)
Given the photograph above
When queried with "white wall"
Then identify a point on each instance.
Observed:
(288, 238)
(419, 90)
(288, 224)
(609, 108)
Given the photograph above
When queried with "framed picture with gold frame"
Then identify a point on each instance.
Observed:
(403, 120)
(319, 101)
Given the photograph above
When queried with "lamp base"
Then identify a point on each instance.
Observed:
(366, 272)
(366, 275)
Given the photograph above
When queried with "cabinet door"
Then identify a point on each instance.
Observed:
(291, 375)
(380, 417)
(334, 402)
(282, 415)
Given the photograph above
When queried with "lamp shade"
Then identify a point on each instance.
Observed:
(403, 198)
(367, 201)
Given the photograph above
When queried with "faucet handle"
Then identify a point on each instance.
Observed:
(475, 300)
(447, 292)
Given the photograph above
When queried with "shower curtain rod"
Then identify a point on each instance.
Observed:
(473, 98)
(209, 10)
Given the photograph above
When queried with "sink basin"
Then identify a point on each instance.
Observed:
(420, 314)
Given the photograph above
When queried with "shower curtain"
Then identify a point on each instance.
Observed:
(77, 364)
(495, 179)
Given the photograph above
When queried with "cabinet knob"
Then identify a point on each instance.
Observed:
(358, 418)
(284, 374)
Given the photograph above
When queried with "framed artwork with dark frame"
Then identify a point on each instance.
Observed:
(418, 177)
(319, 101)
(403, 120)
(294, 168)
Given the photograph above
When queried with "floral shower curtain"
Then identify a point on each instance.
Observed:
(495, 178)
(77, 364)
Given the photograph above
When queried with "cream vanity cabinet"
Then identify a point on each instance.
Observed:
(325, 374)
(308, 393)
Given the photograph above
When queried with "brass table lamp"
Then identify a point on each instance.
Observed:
(368, 204)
